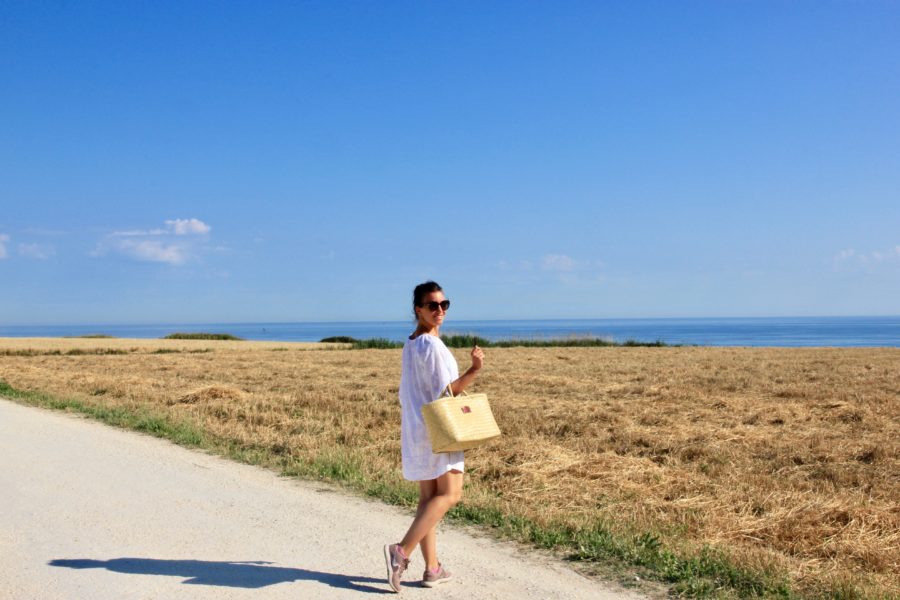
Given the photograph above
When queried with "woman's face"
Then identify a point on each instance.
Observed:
(431, 318)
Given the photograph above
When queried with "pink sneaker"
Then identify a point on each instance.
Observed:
(396, 564)
(430, 579)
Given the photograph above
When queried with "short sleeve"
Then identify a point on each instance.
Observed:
(433, 370)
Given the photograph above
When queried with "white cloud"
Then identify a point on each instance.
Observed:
(173, 227)
(845, 254)
(4, 239)
(178, 242)
(155, 251)
(558, 262)
(851, 258)
(38, 251)
(188, 226)
(561, 268)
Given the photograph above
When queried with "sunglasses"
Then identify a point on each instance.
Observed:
(433, 306)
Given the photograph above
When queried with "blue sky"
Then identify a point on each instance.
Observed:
(313, 161)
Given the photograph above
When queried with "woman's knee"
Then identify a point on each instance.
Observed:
(453, 496)
(449, 491)
(445, 501)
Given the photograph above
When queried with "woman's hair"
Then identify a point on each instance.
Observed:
(422, 290)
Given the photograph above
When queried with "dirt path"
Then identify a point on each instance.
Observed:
(88, 511)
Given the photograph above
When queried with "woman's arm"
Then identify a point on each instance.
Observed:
(468, 377)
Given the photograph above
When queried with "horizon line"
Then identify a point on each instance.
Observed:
(447, 325)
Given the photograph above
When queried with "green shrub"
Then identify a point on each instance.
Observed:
(202, 336)
(376, 344)
(467, 341)
(90, 336)
(339, 339)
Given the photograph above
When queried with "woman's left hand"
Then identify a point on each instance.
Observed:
(458, 386)
(477, 358)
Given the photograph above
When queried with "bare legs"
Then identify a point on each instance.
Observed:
(436, 497)
(428, 544)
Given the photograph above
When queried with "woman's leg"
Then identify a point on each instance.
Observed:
(428, 545)
(447, 492)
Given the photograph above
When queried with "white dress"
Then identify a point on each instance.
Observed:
(428, 366)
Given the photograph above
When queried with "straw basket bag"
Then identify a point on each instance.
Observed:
(459, 422)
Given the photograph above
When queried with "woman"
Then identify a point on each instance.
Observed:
(428, 368)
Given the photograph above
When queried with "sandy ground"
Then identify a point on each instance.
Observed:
(88, 511)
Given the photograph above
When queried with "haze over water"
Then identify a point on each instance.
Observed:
(777, 331)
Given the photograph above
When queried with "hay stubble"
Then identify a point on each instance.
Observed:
(785, 457)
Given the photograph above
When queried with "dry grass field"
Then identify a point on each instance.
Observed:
(787, 459)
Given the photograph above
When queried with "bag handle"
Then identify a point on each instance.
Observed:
(448, 391)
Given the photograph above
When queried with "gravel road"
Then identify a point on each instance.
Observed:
(89, 511)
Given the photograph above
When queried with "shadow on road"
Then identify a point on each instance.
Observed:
(251, 574)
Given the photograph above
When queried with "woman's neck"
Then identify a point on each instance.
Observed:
(426, 330)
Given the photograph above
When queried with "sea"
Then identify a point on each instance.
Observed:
(756, 331)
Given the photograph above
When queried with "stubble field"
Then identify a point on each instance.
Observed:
(785, 460)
